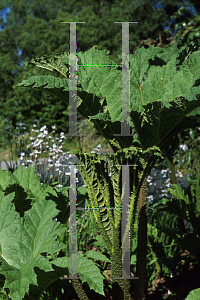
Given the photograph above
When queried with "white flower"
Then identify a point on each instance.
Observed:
(183, 147)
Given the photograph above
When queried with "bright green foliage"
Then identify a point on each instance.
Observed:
(185, 205)
(164, 89)
(28, 236)
(34, 28)
(104, 191)
(170, 91)
(86, 268)
(27, 179)
(193, 295)
(23, 240)
(167, 93)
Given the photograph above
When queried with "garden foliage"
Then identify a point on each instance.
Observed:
(28, 236)
(164, 92)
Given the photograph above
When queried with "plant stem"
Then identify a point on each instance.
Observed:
(142, 243)
(117, 284)
(126, 289)
(79, 289)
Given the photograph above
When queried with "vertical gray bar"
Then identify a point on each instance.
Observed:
(72, 132)
(125, 129)
(73, 82)
(125, 125)
(72, 226)
(125, 80)
(125, 222)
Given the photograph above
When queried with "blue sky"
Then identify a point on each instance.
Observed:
(158, 5)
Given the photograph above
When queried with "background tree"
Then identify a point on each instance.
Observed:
(183, 27)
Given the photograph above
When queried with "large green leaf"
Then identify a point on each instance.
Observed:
(164, 90)
(166, 94)
(169, 92)
(88, 104)
(28, 190)
(25, 178)
(87, 269)
(193, 295)
(23, 240)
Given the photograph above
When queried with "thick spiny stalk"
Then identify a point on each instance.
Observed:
(79, 289)
(142, 244)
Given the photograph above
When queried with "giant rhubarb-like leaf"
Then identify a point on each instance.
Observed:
(23, 240)
(164, 85)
